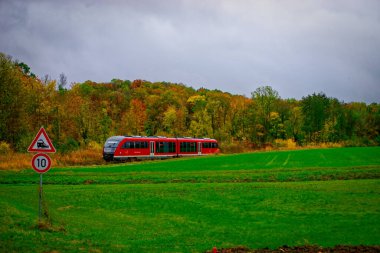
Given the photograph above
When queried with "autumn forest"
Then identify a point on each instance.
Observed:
(80, 114)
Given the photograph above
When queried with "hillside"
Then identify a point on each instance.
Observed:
(83, 114)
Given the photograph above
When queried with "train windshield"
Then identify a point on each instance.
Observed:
(111, 144)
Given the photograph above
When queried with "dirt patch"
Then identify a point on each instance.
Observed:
(303, 249)
(88, 181)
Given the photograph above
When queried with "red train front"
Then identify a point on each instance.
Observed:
(136, 147)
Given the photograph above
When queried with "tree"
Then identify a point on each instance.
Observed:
(335, 123)
(200, 125)
(276, 128)
(373, 123)
(218, 108)
(62, 81)
(239, 117)
(169, 119)
(25, 69)
(138, 117)
(315, 113)
(12, 103)
(265, 99)
(294, 124)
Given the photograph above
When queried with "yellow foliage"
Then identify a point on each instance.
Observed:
(94, 145)
(5, 148)
(331, 145)
(194, 99)
(274, 115)
(287, 144)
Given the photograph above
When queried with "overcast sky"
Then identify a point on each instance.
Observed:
(296, 46)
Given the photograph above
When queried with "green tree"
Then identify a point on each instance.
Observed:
(335, 124)
(200, 125)
(315, 113)
(12, 104)
(373, 123)
(218, 108)
(239, 117)
(265, 102)
(294, 124)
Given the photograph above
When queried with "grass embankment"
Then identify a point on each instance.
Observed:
(190, 205)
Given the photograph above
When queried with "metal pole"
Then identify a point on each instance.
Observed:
(40, 200)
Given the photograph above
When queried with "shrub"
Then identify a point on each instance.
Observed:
(287, 144)
(69, 145)
(5, 148)
(235, 147)
(89, 156)
(358, 142)
(15, 161)
(94, 145)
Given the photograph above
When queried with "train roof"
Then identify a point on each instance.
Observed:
(119, 138)
(115, 138)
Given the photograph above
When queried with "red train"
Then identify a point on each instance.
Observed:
(130, 148)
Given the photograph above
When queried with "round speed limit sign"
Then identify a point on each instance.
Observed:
(41, 163)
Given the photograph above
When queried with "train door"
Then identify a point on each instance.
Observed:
(199, 148)
(152, 148)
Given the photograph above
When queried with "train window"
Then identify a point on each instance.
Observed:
(159, 147)
(210, 145)
(172, 146)
(206, 144)
(193, 146)
(165, 147)
(181, 146)
(188, 146)
(135, 144)
(126, 145)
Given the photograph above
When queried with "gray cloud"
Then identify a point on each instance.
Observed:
(297, 47)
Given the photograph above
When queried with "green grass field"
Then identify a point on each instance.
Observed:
(267, 199)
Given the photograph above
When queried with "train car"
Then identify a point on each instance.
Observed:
(128, 148)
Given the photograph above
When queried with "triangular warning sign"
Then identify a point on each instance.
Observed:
(41, 143)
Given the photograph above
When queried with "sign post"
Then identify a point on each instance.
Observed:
(40, 199)
(41, 162)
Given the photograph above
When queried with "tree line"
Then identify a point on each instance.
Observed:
(91, 112)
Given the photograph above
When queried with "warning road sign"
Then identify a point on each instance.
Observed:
(41, 143)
